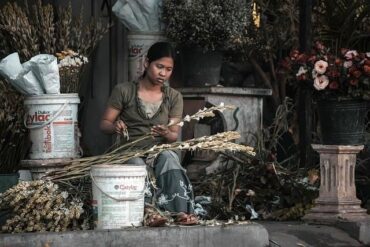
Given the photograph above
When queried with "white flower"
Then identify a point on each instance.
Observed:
(301, 71)
(321, 82)
(368, 54)
(347, 64)
(64, 194)
(351, 54)
(187, 118)
(314, 74)
(320, 66)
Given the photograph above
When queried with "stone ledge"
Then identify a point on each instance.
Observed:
(230, 91)
(358, 230)
(251, 234)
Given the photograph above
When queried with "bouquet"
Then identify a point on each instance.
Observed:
(343, 75)
(70, 68)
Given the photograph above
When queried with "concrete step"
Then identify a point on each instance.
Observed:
(296, 234)
(243, 235)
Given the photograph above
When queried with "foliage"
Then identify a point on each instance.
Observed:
(275, 30)
(273, 189)
(342, 23)
(209, 24)
(346, 75)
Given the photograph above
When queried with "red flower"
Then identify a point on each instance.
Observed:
(332, 72)
(294, 54)
(343, 51)
(367, 69)
(311, 59)
(334, 85)
(338, 62)
(319, 46)
(301, 58)
(302, 77)
(353, 82)
(285, 64)
(356, 73)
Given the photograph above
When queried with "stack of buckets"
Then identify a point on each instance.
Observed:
(52, 121)
(118, 191)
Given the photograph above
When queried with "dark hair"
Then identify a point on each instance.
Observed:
(159, 50)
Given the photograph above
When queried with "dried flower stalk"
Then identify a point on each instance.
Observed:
(40, 206)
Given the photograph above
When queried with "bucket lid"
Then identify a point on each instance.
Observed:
(118, 170)
(71, 98)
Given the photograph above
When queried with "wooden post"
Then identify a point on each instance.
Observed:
(305, 94)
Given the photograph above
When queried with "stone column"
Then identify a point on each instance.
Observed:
(337, 199)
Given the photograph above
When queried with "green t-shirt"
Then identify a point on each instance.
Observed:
(125, 98)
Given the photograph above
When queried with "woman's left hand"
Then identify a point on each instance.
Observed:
(160, 130)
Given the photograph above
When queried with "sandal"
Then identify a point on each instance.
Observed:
(153, 218)
(186, 219)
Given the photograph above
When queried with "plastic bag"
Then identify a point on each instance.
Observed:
(139, 15)
(30, 80)
(18, 76)
(45, 68)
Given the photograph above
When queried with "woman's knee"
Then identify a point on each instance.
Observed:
(169, 155)
(136, 161)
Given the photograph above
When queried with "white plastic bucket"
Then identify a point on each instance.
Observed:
(52, 120)
(138, 46)
(118, 195)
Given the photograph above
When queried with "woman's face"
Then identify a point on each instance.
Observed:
(159, 71)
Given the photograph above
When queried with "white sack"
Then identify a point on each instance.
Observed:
(139, 15)
(30, 80)
(12, 69)
(45, 68)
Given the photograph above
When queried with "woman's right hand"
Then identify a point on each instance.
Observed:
(120, 127)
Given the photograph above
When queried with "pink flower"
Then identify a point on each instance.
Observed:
(321, 82)
(351, 54)
(320, 66)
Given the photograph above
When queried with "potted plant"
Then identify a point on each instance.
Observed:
(207, 27)
(341, 88)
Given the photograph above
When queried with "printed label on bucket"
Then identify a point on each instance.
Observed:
(109, 205)
(138, 46)
(58, 139)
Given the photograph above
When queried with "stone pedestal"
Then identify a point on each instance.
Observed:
(337, 200)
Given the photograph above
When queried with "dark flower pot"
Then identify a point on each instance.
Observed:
(342, 122)
(201, 68)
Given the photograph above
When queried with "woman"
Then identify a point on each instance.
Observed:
(147, 106)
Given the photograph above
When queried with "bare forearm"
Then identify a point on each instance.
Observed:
(107, 127)
(171, 136)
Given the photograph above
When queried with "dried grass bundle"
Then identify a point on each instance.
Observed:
(79, 168)
(42, 28)
(39, 206)
(13, 135)
(220, 142)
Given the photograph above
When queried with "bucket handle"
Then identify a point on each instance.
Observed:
(133, 198)
(47, 122)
